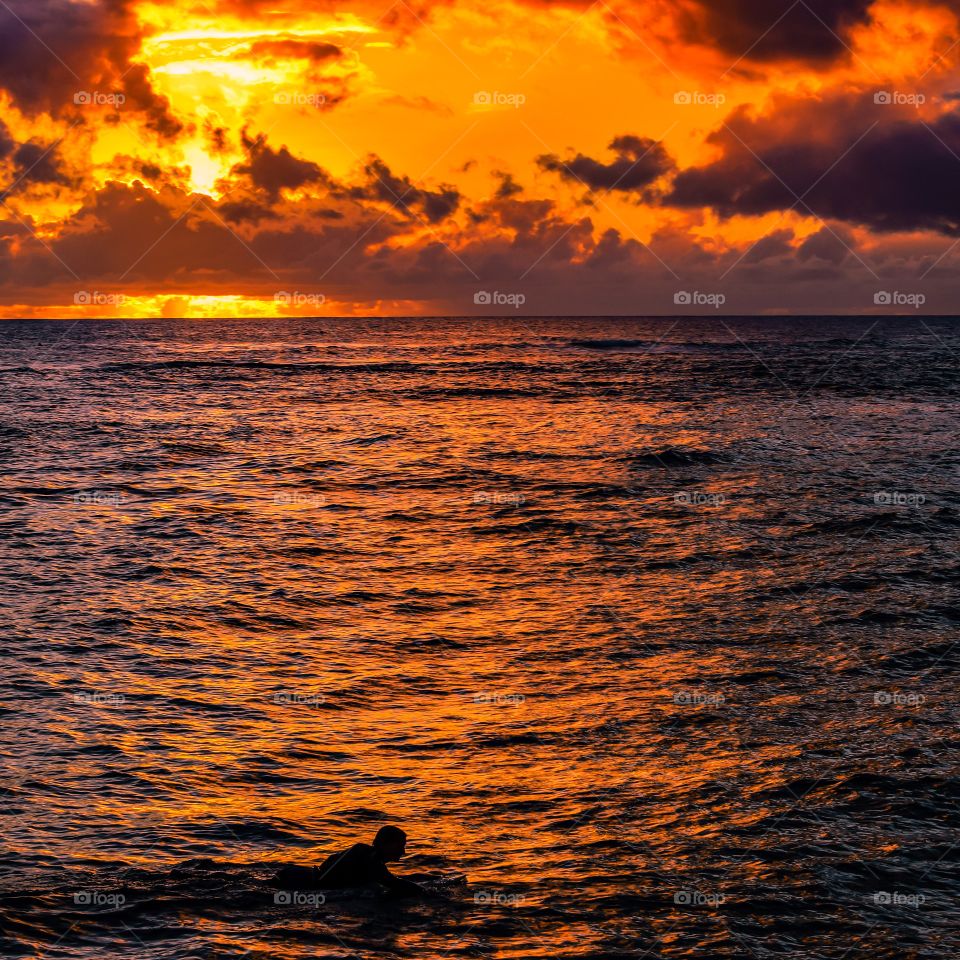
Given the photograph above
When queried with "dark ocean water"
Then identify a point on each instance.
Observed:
(648, 626)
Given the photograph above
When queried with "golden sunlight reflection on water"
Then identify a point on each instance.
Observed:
(601, 630)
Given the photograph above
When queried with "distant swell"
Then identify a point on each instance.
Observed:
(672, 457)
(659, 346)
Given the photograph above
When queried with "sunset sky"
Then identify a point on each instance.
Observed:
(294, 157)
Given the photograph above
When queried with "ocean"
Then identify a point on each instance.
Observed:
(647, 626)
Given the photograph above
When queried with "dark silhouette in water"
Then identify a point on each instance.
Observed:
(360, 866)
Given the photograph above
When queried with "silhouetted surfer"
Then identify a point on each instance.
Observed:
(360, 866)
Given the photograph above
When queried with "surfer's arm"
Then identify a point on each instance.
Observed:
(403, 887)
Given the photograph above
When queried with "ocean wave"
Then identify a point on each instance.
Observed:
(660, 346)
(673, 457)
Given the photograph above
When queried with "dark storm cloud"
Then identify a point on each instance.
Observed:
(217, 137)
(314, 51)
(269, 171)
(900, 175)
(763, 30)
(36, 162)
(770, 247)
(245, 211)
(272, 170)
(33, 162)
(139, 238)
(639, 162)
(52, 51)
(154, 107)
(831, 244)
(508, 186)
(400, 192)
(7, 143)
(134, 235)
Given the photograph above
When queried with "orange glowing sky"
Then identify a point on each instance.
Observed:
(247, 158)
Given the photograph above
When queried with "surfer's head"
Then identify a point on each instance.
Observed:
(390, 843)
